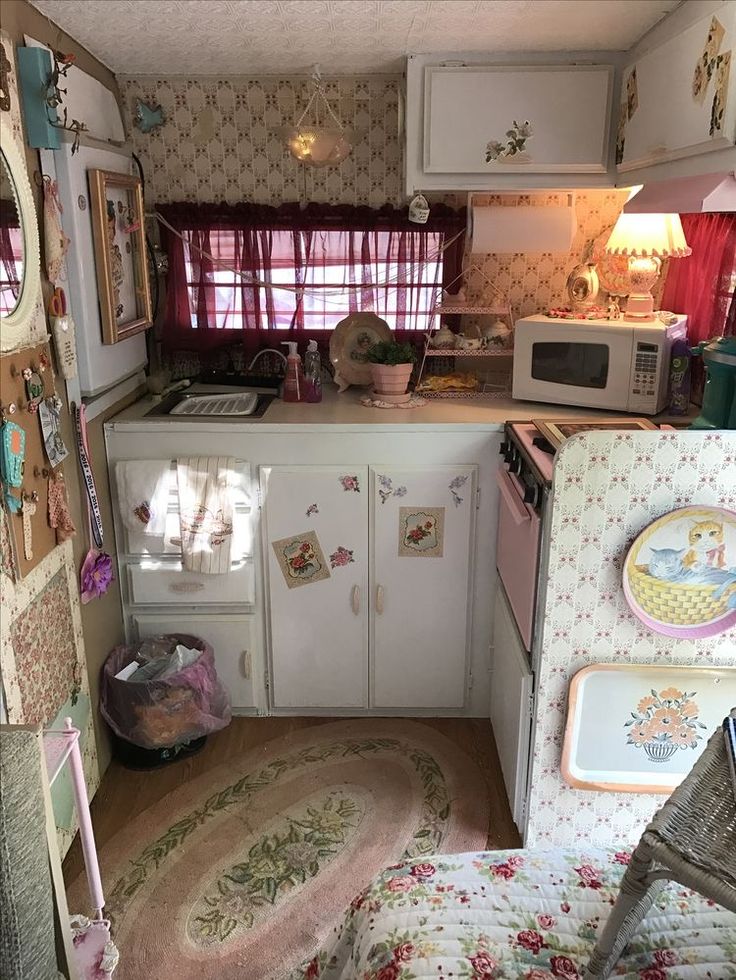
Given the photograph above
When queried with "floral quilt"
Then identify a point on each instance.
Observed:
(518, 915)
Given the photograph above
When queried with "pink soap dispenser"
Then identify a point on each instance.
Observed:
(294, 380)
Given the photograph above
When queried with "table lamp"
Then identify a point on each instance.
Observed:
(646, 239)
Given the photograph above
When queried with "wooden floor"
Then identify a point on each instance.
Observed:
(124, 793)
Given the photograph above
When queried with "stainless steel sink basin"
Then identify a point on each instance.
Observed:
(202, 401)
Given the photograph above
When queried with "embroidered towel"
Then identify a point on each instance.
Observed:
(206, 512)
(143, 488)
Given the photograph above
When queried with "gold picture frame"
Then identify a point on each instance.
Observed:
(556, 431)
(120, 254)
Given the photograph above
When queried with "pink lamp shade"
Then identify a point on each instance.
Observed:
(658, 235)
(646, 239)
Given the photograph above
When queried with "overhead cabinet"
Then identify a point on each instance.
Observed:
(369, 585)
(679, 99)
(527, 120)
(474, 126)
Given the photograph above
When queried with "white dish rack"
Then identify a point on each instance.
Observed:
(237, 403)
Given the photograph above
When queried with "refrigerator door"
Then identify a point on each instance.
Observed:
(100, 365)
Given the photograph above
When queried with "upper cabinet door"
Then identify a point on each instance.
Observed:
(316, 544)
(420, 583)
(541, 119)
(679, 99)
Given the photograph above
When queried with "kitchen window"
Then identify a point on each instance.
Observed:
(225, 270)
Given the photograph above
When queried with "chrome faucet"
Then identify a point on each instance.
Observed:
(268, 350)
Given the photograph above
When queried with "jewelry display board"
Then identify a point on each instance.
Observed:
(36, 467)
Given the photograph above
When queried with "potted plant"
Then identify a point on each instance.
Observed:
(391, 367)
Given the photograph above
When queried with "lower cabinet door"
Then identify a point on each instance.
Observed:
(421, 584)
(232, 637)
(316, 553)
(511, 706)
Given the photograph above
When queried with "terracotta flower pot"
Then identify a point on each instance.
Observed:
(390, 379)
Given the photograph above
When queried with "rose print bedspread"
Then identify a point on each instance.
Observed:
(518, 915)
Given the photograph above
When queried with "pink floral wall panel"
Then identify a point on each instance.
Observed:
(45, 651)
(608, 487)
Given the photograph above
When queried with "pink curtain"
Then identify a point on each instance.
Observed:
(333, 261)
(701, 285)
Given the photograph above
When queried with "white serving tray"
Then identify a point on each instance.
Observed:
(622, 735)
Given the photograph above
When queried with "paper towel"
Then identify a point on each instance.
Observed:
(523, 229)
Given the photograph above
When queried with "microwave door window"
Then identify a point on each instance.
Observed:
(581, 365)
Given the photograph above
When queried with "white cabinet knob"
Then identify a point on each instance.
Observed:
(355, 599)
(379, 599)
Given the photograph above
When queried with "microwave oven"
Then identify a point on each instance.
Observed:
(620, 365)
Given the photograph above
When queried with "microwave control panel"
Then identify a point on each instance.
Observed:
(646, 385)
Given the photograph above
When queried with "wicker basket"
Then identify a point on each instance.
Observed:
(677, 603)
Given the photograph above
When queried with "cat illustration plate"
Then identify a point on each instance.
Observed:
(679, 577)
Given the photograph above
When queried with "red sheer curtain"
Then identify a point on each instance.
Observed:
(701, 285)
(334, 259)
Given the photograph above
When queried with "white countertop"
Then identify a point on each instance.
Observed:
(344, 411)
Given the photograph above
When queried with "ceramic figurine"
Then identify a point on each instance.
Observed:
(148, 117)
(443, 339)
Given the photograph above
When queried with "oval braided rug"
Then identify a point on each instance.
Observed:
(242, 873)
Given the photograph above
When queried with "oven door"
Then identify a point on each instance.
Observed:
(569, 364)
(517, 552)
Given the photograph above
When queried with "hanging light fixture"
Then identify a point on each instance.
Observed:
(309, 140)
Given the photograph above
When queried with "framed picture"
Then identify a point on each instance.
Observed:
(679, 576)
(555, 431)
(120, 254)
(638, 728)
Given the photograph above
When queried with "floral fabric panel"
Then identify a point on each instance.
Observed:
(301, 559)
(421, 532)
(46, 659)
(518, 915)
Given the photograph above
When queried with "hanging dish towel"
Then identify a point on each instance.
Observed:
(143, 491)
(206, 512)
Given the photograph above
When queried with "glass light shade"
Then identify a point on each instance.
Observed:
(318, 146)
(648, 235)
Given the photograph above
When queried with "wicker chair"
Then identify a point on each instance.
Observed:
(691, 840)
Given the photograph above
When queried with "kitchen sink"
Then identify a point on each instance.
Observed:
(205, 401)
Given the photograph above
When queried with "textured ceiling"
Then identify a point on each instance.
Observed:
(255, 37)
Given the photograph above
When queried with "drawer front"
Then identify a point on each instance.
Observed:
(517, 552)
(231, 637)
(164, 583)
(137, 543)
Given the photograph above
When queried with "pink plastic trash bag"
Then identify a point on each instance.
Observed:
(172, 696)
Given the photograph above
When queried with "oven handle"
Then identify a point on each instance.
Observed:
(519, 513)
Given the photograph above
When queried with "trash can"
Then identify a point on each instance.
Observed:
(161, 698)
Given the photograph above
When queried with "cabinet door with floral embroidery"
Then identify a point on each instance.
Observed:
(316, 554)
(421, 582)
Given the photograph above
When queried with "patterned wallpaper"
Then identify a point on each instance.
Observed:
(608, 487)
(219, 141)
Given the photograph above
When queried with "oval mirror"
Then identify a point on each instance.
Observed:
(12, 259)
(21, 313)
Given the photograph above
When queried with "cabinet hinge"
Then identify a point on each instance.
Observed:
(477, 499)
(266, 681)
(470, 680)
(531, 706)
(259, 497)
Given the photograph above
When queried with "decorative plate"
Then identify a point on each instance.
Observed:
(680, 574)
(349, 342)
(613, 270)
(637, 728)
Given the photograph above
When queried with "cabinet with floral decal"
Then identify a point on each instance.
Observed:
(369, 585)
(481, 126)
(678, 97)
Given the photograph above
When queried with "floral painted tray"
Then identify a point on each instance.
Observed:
(637, 728)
